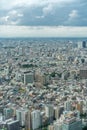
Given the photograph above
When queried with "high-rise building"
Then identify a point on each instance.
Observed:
(72, 123)
(1, 117)
(51, 127)
(28, 125)
(83, 73)
(13, 125)
(41, 78)
(82, 44)
(8, 113)
(21, 116)
(28, 77)
(79, 106)
(57, 126)
(58, 111)
(36, 119)
(49, 112)
(67, 105)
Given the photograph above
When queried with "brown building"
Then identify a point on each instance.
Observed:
(79, 106)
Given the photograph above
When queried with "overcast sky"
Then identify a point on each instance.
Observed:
(41, 18)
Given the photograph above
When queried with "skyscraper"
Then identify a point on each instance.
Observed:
(82, 44)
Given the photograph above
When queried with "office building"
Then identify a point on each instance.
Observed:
(51, 127)
(28, 125)
(49, 112)
(79, 106)
(36, 119)
(67, 105)
(82, 44)
(28, 77)
(13, 125)
(58, 111)
(57, 126)
(72, 124)
(8, 113)
(21, 116)
(83, 73)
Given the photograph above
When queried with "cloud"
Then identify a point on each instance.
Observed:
(48, 9)
(43, 12)
(73, 14)
(39, 17)
(12, 18)
(46, 31)
(9, 4)
(73, 17)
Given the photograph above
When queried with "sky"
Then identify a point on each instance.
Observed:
(43, 18)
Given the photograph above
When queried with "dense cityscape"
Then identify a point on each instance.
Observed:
(43, 84)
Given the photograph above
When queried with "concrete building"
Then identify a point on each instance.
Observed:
(49, 112)
(28, 125)
(58, 111)
(72, 124)
(79, 106)
(82, 44)
(21, 116)
(8, 113)
(67, 105)
(28, 77)
(40, 78)
(83, 73)
(57, 126)
(51, 127)
(36, 119)
(13, 125)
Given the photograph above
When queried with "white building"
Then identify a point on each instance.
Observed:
(8, 113)
(57, 126)
(36, 119)
(67, 106)
(49, 110)
(21, 116)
